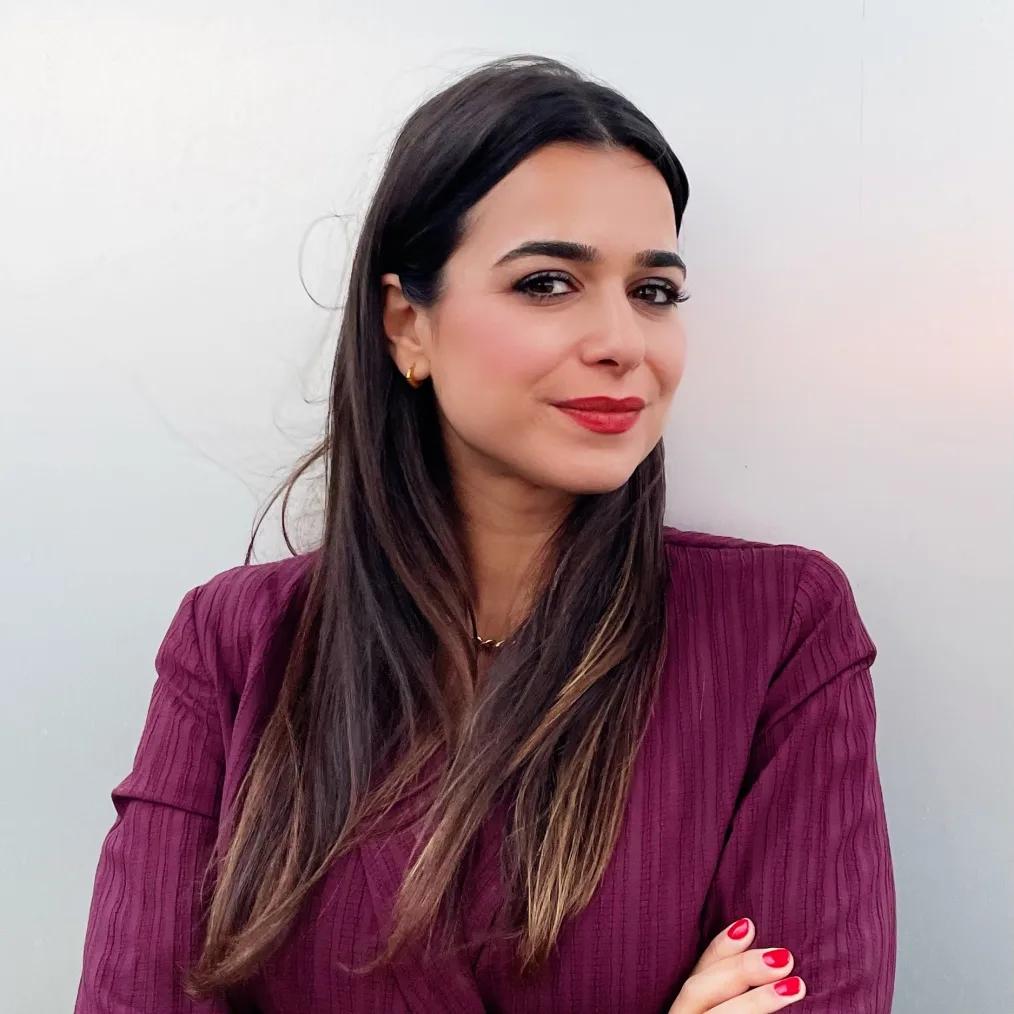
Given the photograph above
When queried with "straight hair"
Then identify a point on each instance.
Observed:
(380, 700)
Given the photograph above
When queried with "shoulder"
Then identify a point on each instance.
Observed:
(693, 552)
(695, 555)
(772, 595)
(238, 616)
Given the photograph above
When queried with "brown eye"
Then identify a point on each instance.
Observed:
(660, 292)
(544, 285)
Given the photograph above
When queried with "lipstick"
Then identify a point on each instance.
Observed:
(601, 414)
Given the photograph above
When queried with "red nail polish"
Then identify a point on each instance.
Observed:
(778, 958)
(788, 987)
(738, 930)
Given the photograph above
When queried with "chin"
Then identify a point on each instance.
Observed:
(592, 478)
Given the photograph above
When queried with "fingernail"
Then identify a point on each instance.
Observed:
(738, 930)
(778, 958)
(788, 987)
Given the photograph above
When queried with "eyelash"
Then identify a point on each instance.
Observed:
(674, 293)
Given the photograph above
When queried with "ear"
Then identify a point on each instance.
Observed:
(407, 329)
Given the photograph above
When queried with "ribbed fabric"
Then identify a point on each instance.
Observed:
(756, 793)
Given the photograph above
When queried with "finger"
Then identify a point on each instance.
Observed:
(732, 940)
(764, 999)
(731, 977)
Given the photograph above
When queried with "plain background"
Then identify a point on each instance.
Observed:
(849, 383)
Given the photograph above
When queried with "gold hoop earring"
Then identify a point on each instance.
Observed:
(410, 376)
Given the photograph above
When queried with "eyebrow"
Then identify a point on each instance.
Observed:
(584, 254)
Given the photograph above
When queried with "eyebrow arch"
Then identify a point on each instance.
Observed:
(584, 254)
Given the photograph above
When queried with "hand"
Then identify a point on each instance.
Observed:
(729, 979)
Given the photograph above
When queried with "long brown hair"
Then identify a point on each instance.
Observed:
(554, 727)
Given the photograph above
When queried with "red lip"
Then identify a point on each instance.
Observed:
(603, 415)
(602, 404)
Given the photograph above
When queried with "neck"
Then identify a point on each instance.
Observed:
(508, 524)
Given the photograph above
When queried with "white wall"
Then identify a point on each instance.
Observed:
(849, 388)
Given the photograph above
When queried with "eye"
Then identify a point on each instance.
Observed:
(660, 292)
(544, 285)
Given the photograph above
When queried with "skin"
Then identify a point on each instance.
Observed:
(499, 358)
(733, 978)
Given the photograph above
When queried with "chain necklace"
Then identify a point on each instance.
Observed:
(484, 642)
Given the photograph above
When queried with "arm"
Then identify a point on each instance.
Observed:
(145, 923)
(807, 855)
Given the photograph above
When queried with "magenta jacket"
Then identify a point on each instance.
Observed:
(756, 793)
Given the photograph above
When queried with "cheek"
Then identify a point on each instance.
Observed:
(491, 343)
(667, 358)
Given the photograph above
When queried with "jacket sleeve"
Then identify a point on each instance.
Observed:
(807, 855)
(145, 923)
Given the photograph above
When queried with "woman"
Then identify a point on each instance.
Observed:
(504, 742)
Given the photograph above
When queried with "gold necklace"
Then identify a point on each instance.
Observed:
(484, 642)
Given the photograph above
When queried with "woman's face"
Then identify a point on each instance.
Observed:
(560, 290)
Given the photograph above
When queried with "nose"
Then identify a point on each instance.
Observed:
(615, 337)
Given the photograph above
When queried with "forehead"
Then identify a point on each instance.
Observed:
(613, 199)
